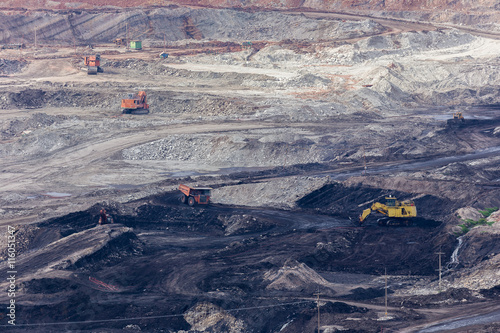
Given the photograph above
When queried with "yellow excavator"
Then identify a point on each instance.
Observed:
(397, 213)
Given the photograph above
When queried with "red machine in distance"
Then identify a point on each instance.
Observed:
(135, 103)
(194, 195)
(93, 64)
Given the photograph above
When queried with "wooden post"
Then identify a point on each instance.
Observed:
(440, 268)
(317, 302)
(386, 292)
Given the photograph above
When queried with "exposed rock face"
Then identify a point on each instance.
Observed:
(469, 213)
(207, 317)
(479, 255)
(464, 11)
(494, 217)
(395, 5)
(171, 24)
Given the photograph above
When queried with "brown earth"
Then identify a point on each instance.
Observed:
(298, 130)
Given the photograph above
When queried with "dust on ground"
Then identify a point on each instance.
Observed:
(297, 130)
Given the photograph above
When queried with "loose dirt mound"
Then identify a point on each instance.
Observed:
(38, 98)
(260, 148)
(246, 223)
(295, 276)
(11, 66)
(208, 317)
(69, 250)
(22, 126)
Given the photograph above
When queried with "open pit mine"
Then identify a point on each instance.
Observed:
(249, 166)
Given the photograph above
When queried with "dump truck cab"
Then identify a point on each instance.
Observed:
(194, 195)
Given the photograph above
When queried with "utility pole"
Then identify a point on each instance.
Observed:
(35, 39)
(440, 267)
(126, 35)
(364, 160)
(317, 302)
(386, 292)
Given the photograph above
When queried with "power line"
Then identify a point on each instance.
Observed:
(151, 317)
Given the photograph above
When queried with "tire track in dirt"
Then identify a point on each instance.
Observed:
(93, 153)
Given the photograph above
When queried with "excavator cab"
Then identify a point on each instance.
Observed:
(390, 201)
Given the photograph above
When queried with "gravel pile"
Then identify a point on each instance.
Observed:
(282, 193)
(11, 66)
(231, 150)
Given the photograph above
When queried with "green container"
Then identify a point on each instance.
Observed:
(136, 45)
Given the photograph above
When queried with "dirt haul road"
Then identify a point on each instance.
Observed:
(297, 132)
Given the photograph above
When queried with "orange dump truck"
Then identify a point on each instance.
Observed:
(135, 103)
(93, 64)
(194, 195)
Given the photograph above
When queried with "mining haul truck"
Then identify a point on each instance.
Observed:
(93, 64)
(194, 195)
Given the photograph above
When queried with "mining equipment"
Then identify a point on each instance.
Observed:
(397, 213)
(458, 116)
(15, 46)
(93, 64)
(136, 104)
(136, 45)
(120, 41)
(194, 195)
(104, 217)
(458, 120)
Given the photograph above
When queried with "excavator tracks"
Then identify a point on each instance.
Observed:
(407, 222)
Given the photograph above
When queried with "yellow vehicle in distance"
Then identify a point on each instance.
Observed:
(396, 213)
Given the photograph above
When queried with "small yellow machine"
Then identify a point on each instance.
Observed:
(457, 121)
(458, 116)
(396, 212)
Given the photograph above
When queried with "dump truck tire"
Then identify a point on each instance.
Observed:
(183, 199)
(191, 201)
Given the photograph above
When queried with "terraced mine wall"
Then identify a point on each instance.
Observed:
(160, 24)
